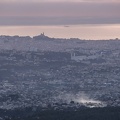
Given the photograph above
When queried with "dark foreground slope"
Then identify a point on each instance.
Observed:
(107, 113)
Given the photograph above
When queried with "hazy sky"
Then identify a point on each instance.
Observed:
(59, 12)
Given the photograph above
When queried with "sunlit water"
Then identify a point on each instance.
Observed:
(92, 31)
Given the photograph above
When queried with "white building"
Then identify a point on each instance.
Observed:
(82, 57)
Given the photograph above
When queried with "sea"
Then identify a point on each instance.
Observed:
(82, 31)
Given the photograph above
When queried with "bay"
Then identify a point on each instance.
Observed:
(83, 31)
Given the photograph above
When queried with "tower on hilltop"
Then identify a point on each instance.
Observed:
(42, 34)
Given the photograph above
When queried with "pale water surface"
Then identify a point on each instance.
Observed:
(87, 31)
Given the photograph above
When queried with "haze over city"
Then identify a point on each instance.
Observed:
(59, 59)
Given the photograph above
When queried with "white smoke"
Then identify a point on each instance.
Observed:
(83, 99)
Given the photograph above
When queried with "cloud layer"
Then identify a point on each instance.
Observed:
(59, 13)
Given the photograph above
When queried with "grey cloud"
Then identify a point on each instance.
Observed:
(56, 20)
(58, 13)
